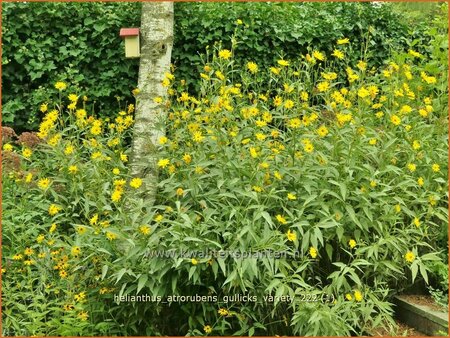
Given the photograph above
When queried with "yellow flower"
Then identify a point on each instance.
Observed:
(96, 155)
(351, 243)
(194, 261)
(435, 167)
(275, 70)
(281, 219)
(409, 256)
(373, 141)
(180, 192)
(17, 257)
(75, 251)
(207, 329)
(69, 149)
(277, 175)
(187, 158)
(283, 63)
(329, 76)
(294, 123)
(144, 229)
(291, 236)
(318, 55)
(28, 251)
(94, 219)
(52, 228)
(362, 65)
(158, 99)
(162, 163)
(313, 252)
(123, 157)
(159, 218)
(73, 98)
(162, 140)
(338, 54)
(358, 296)
(260, 136)
(116, 171)
(27, 152)
(253, 152)
(224, 54)
(395, 120)
(197, 136)
(277, 101)
(96, 130)
(416, 222)
(116, 195)
(323, 86)
(239, 22)
(257, 188)
(414, 53)
(411, 167)
(420, 181)
(7, 147)
(83, 316)
(252, 67)
(135, 183)
(73, 169)
(53, 209)
(223, 312)
(363, 92)
(343, 41)
(291, 196)
(44, 107)
(322, 131)
(308, 147)
(348, 296)
(373, 184)
(416, 145)
(289, 104)
(110, 236)
(60, 85)
(423, 112)
(28, 178)
(135, 91)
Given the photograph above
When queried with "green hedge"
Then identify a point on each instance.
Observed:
(289, 27)
(75, 42)
(78, 42)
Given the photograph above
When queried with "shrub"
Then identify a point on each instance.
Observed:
(62, 41)
(49, 42)
(269, 28)
(339, 166)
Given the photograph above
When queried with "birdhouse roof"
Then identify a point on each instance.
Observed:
(129, 32)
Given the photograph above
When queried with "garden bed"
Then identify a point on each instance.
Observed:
(422, 313)
(403, 330)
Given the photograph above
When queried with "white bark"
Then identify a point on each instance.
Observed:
(156, 48)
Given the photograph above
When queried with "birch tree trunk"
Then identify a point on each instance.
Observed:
(156, 48)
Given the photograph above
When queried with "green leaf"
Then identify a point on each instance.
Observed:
(414, 270)
(120, 274)
(141, 282)
(104, 271)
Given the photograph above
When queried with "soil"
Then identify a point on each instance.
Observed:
(424, 300)
(403, 330)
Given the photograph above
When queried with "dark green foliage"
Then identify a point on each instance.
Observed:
(269, 28)
(79, 43)
(74, 42)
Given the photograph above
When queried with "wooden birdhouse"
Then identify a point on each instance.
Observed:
(132, 46)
